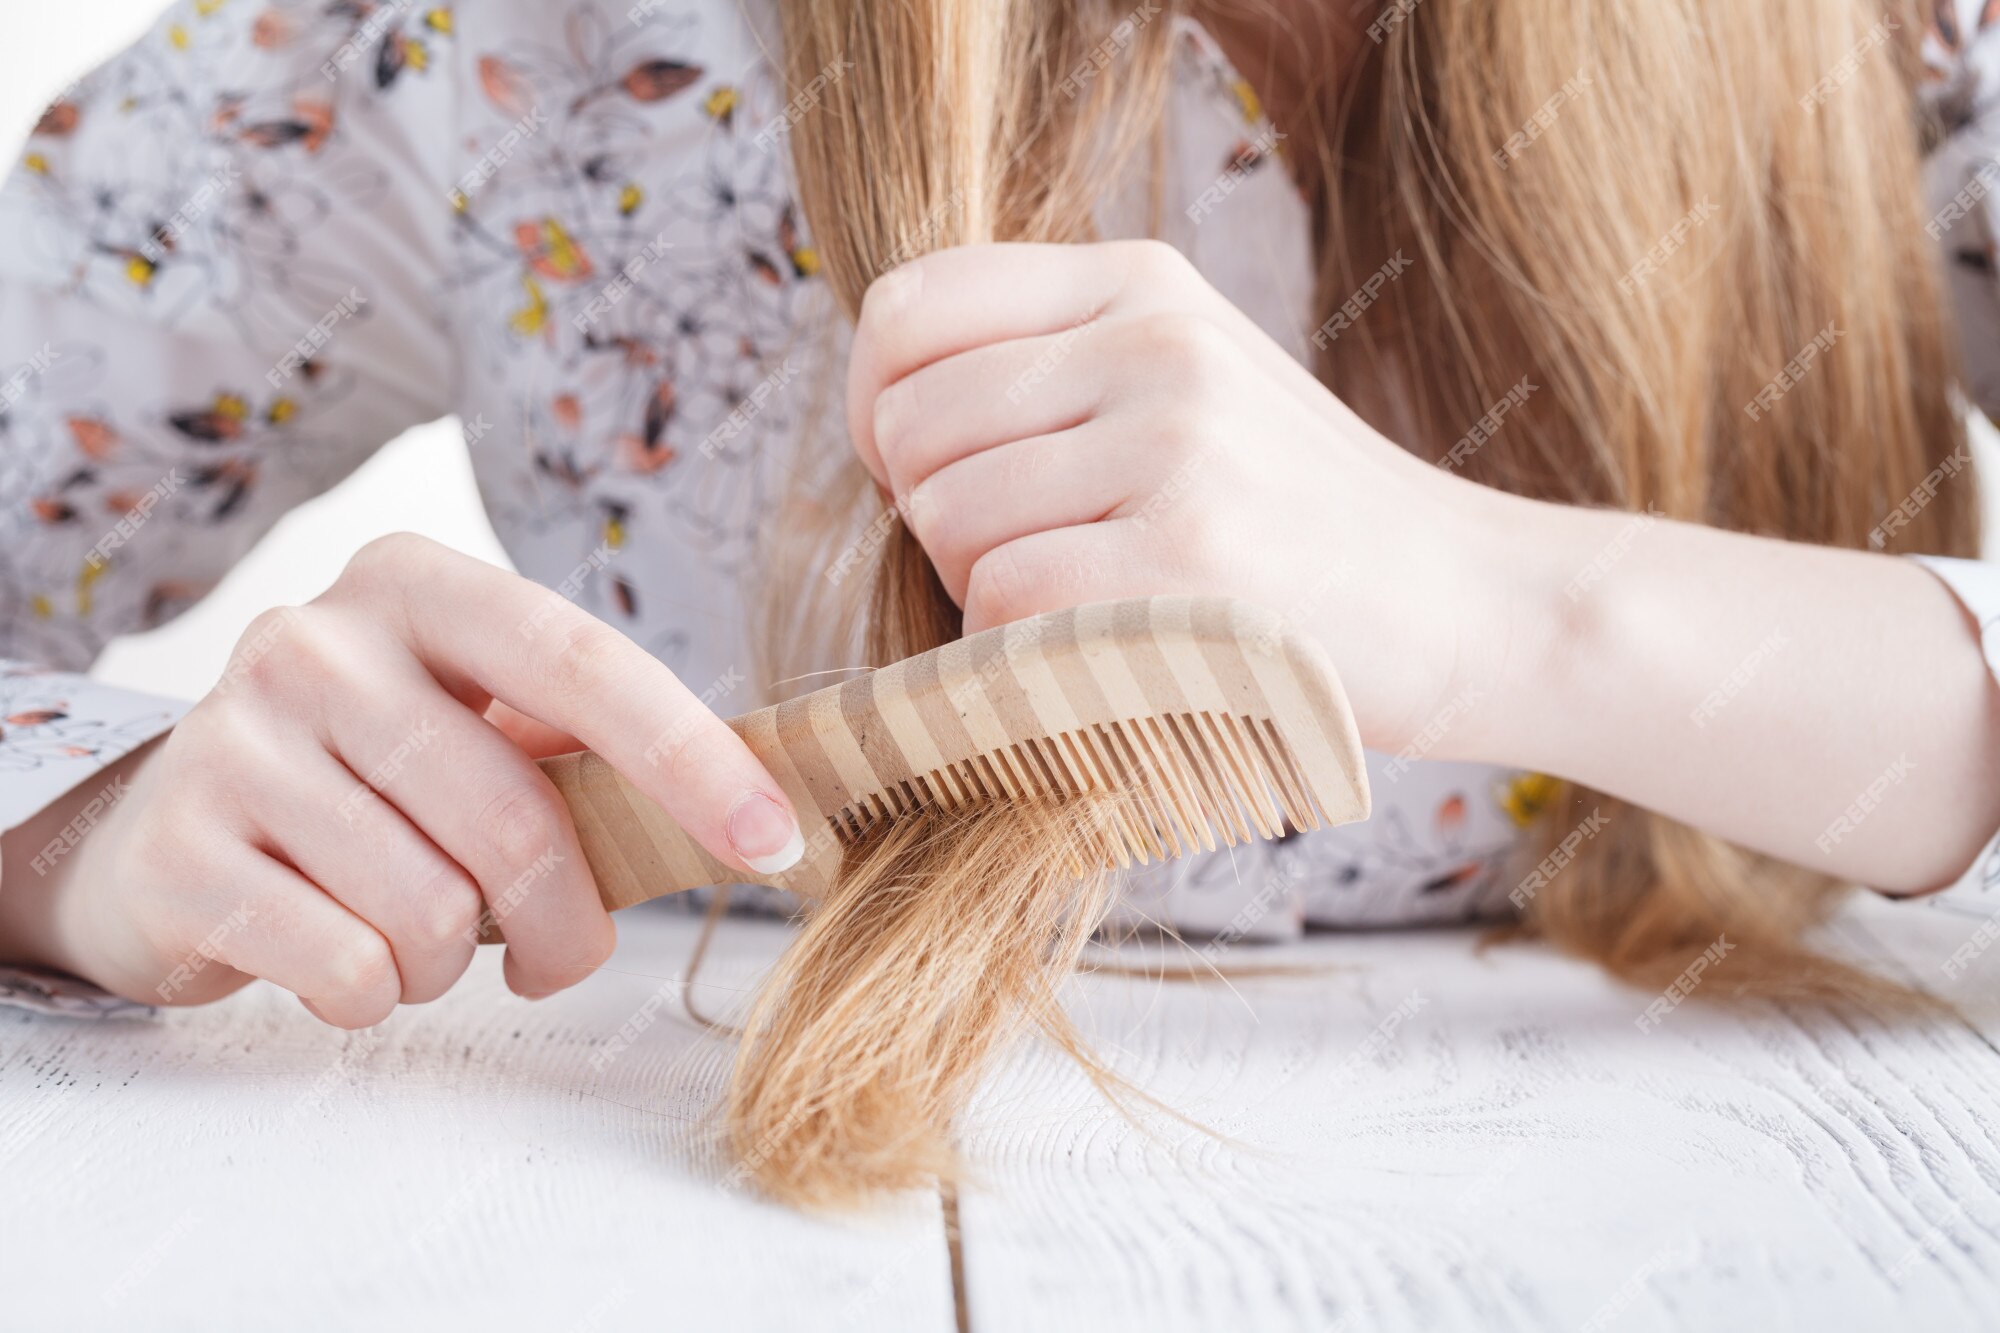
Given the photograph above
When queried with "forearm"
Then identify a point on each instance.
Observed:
(1824, 706)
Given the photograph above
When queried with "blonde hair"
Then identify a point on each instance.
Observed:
(1790, 199)
(964, 120)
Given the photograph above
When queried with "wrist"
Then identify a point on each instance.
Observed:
(46, 862)
(1541, 609)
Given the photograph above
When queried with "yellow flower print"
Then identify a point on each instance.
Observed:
(1525, 798)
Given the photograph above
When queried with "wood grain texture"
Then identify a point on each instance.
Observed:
(1421, 1137)
(1431, 1139)
(481, 1162)
(1215, 718)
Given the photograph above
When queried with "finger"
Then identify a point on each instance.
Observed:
(528, 646)
(537, 740)
(976, 400)
(369, 858)
(488, 808)
(299, 939)
(1006, 493)
(1060, 568)
(952, 301)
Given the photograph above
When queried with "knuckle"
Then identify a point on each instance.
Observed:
(1152, 261)
(583, 668)
(258, 655)
(396, 557)
(1187, 352)
(392, 550)
(361, 966)
(519, 826)
(447, 907)
(678, 751)
(889, 300)
(1002, 587)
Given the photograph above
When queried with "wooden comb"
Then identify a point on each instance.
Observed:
(1214, 718)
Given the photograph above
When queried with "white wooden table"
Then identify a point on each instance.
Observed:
(1515, 1154)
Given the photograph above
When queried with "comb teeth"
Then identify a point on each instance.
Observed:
(1179, 782)
(1173, 724)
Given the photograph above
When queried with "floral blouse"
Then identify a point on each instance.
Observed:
(274, 234)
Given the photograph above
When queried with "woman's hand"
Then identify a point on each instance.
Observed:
(339, 816)
(1062, 424)
(1068, 424)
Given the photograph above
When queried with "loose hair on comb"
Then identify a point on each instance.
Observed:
(958, 121)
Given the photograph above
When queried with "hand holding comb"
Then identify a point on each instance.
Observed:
(1211, 716)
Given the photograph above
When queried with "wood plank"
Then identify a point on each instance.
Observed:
(478, 1162)
(1513, 1153)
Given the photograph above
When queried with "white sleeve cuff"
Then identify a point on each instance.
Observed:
(1976, 584)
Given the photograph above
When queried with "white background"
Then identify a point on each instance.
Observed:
(421, 483)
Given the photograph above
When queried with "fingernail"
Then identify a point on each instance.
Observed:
(765, 834)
